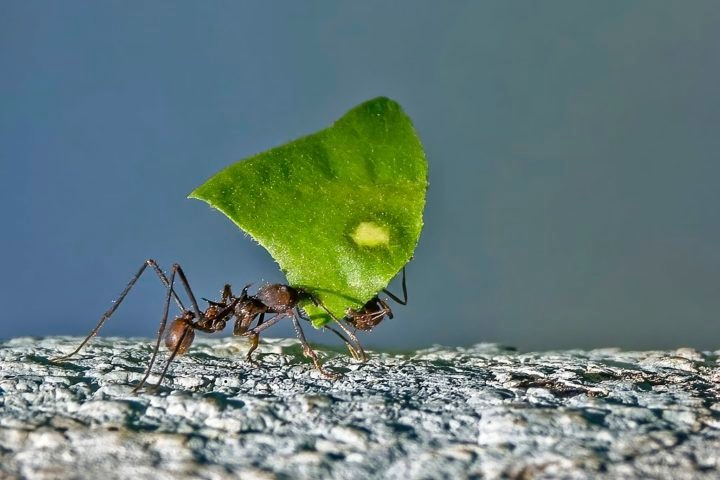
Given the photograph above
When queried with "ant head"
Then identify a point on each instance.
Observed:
(370, 315)
(180, 334)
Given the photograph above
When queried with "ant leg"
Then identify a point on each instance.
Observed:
(396, 298)
(169, 360)
(259, 328)
(309, 352)
(356, 350)
(360, 355)
(186, 285)
(254, 341)
(254, 334)
(161, 329)
(385, 310)
(177, 269)
(226, 294)
(119, 300)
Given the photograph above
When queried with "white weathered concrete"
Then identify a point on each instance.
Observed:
(440, 413)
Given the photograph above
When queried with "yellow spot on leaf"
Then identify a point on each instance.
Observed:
(370, 234)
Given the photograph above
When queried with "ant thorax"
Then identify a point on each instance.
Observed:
(278, 298)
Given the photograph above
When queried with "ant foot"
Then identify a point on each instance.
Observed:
(358, 355)
(252, 362)
(310, 353)
(144, 388)
(137, 389)
(334, 376)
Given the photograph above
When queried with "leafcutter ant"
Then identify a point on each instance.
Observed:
(375, 310)
(279, 300)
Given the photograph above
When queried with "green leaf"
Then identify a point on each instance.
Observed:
(339, 210)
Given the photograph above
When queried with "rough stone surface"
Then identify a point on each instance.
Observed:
(479, 412)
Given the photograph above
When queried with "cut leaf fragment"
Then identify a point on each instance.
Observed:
(339, 210)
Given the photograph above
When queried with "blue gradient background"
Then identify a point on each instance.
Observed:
(573, 151)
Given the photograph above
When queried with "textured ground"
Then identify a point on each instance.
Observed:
(480, 412)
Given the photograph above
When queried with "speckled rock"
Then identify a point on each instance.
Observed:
(479, 412)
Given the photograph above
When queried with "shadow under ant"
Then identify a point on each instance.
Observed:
(248, 312)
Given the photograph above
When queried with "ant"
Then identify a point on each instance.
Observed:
(375, 310)
(280, 300)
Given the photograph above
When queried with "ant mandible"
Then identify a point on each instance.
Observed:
(375, 310)
(278, 299)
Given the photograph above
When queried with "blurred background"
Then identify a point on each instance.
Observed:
(573, 151)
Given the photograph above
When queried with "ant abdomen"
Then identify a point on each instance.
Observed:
(179, 336)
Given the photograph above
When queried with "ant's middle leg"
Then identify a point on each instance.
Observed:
(150, 262)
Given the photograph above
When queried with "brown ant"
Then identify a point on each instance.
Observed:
(375, 310)
(280, 300)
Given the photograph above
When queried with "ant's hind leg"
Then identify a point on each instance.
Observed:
(309, 352)
(188, 332)
(161, 330)
(119, 300)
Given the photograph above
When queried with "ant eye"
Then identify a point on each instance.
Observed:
(175, 333)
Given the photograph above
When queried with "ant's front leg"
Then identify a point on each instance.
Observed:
(254, 334)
